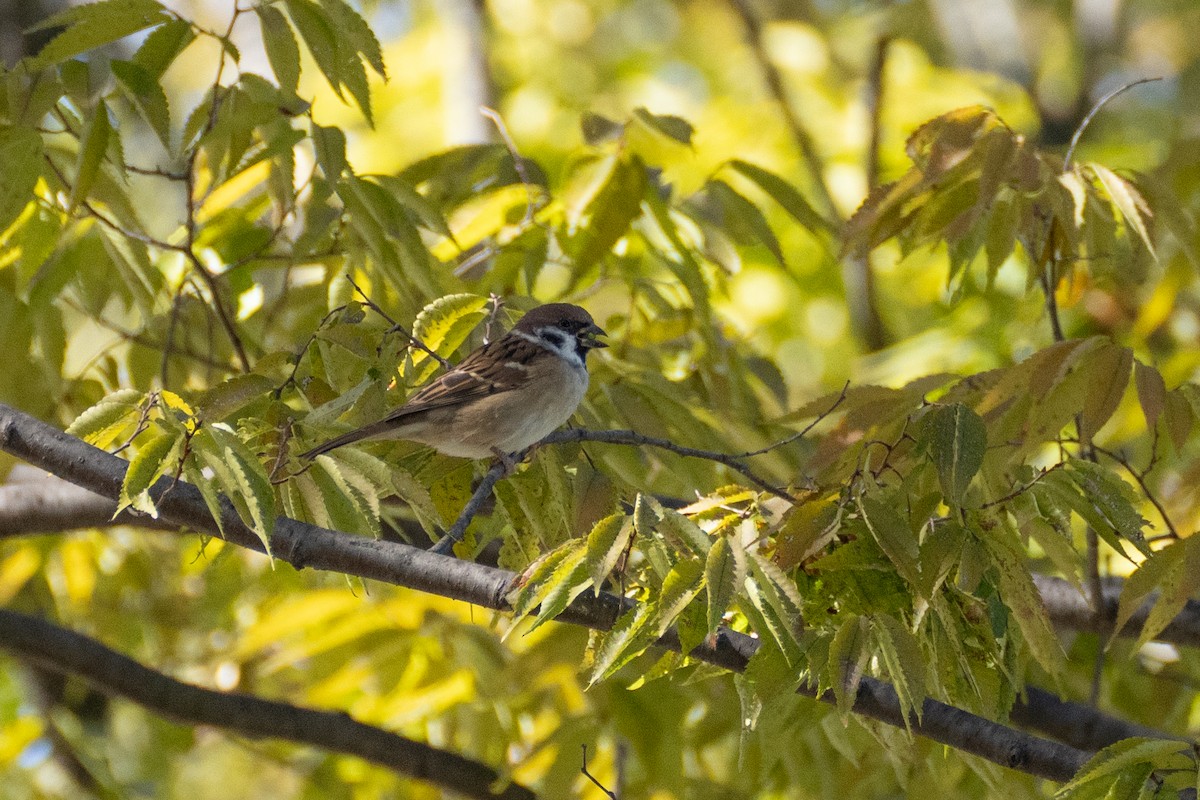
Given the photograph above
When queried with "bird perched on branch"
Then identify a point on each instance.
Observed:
(503, 397)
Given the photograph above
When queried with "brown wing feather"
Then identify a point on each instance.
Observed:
(483, 373)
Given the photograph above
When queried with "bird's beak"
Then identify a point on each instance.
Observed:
(587, 336)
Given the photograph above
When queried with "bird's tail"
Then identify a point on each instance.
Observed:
(356, 435)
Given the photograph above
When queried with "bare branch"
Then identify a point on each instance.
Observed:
(1087, 120)
(64, 651)
(304, 545)
(397, 327)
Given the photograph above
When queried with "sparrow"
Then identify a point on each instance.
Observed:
(503, 397)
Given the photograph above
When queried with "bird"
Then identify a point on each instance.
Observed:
(502, 398)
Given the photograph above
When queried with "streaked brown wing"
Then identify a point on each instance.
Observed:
(483, 373)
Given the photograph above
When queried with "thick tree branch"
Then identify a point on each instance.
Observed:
(55, 648)
(306, 545)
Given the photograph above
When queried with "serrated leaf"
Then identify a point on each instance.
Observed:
(208, 490)
(724, 575)
(92, 149)
(1179, 583)
(443, 326)
(1117, 757)
(901, 653)
(163, 46)
(21, 154)
(1179, 418)
(685, 533)
(147, 96)
(283, 52)
(609, 213)
(537, 579)
(786, 195)
(222, 400)
(330, 144)
(893, 535)
(611, 655)
(741, 219)
(93, 25)
(1022, 597)
(244, 481)
(1128, 201)
(106, 419)
(1108, 371)
(569, 581)
(152, 460)
(1151, 391)
(848, 656)
(359, 490)
(654, 617)
(357, 35)
(958, 441)
(646, 515)
(411, 491)
(605, 544)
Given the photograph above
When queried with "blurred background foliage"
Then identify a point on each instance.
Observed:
(781, 317)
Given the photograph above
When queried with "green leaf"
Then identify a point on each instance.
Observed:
(741, 219)
(849, 653)
(1151, 392)
(894, 537)
(330, 144)
(21, 155)
(569, 581)
(901, 654)
(101, 423)
(222, 400)
(413, 492)
(724, 575)
(208, 489)
(539, 578)
(355, 35)
(1180, 581)
(605, 544)
(958, 441)
(685, 533)
(1108, 371)
(91, 153)
(785, 195)
(651, 620)
(1021, 596)
(1128, 201)
(93, 25)
(355, 505)
(609, 213)
(667, 125)
(163, 46)
(280, 43)
(1116, 757)
(153, 459)
(598, 129)
(242, 478)
(443, 326)
(147, 97)
(620, 644)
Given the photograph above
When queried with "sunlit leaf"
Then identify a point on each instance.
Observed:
(605, 544)
(958, 441)
(724, 575)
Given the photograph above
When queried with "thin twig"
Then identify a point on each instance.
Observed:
(641, 440)
(445, 545)
(802, 433)
(1087, 120)
(398, 328)
(592, 778)
(531, 207)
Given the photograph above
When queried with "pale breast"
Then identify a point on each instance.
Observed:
(509, 421)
